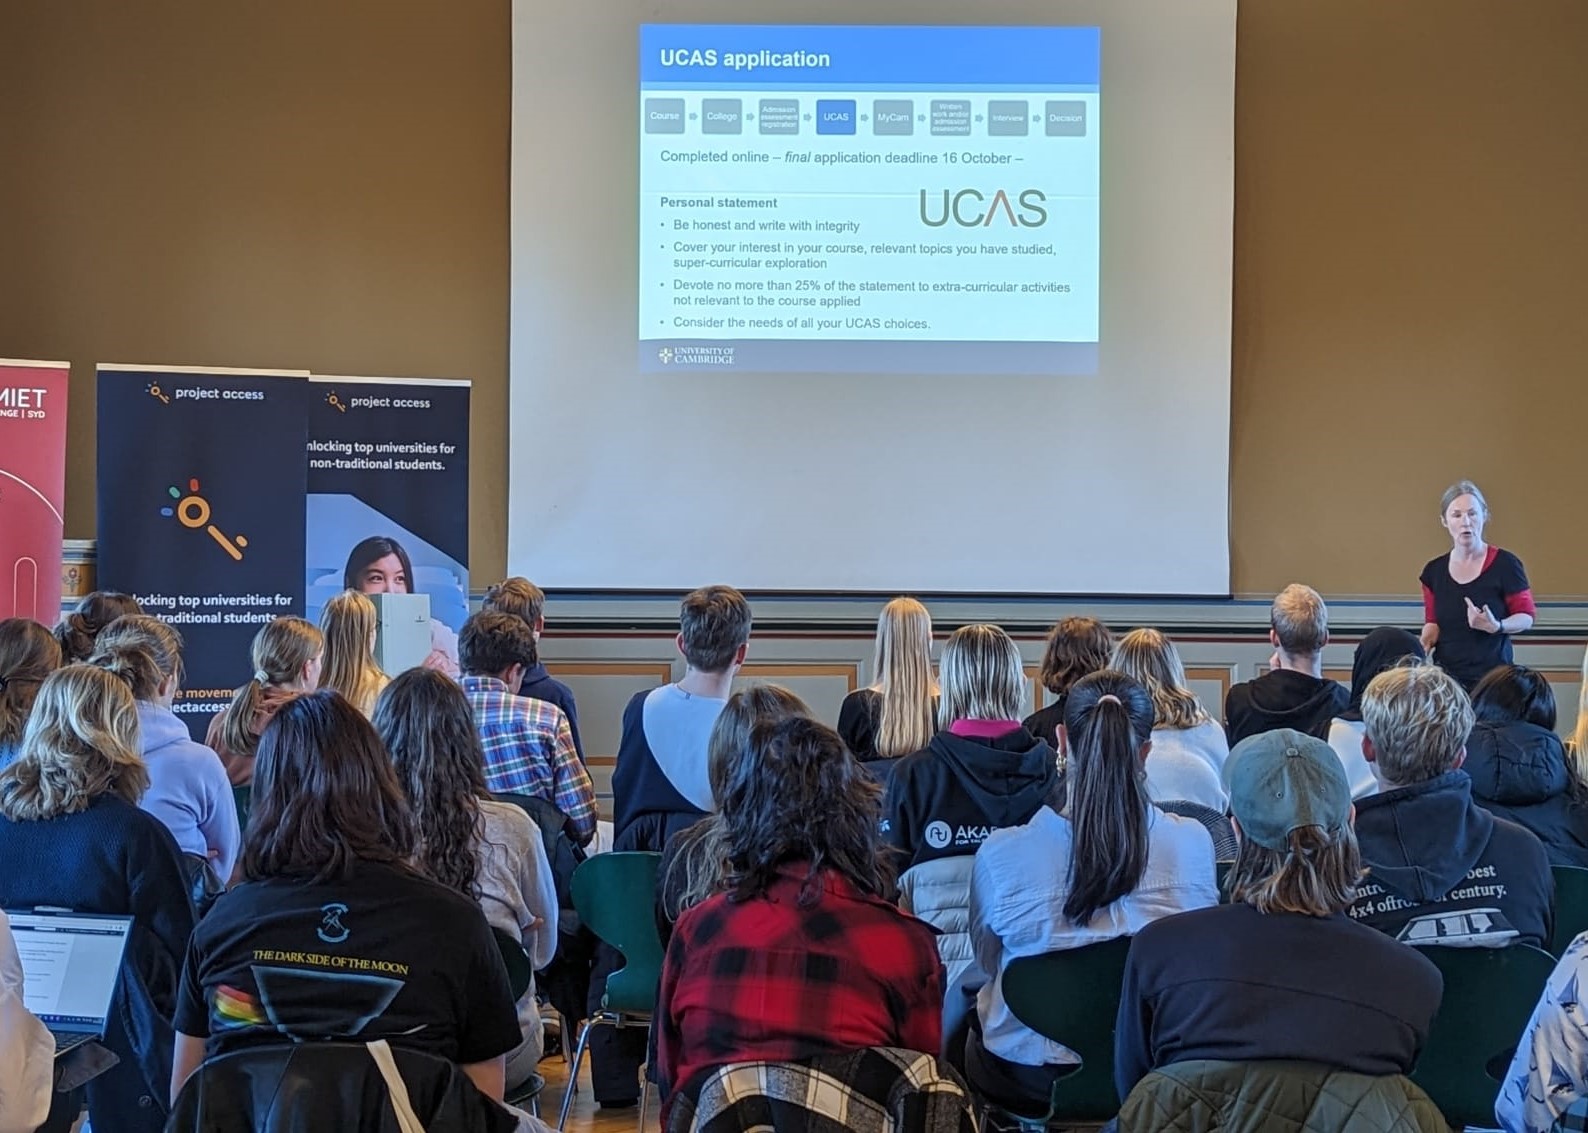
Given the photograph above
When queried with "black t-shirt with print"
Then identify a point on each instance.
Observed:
(382, 955)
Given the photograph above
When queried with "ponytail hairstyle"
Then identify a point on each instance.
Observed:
(28, 654)
(81, 742)
(1107, 720)
(80, 629)
(280, 651)
(903, 667)
(348, 624)
(141, 650)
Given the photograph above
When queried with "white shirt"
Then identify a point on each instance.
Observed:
(1550, 1069)
(1017, 892)
(1345, 736)
(1187, 765)
(27, 1050)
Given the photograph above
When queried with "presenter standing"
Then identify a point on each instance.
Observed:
(1475, 596)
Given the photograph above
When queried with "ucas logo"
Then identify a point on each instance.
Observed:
(971, 208)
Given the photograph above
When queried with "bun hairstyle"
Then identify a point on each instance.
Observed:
(81, 742)
(280, 651)
(80, 629)
(1107, 718)
(141, 650)
(28, 654)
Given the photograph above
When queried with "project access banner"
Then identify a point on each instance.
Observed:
(201, 485)
(32, 488)
(230, 498)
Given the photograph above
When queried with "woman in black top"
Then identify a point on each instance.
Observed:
(1474, 596)
(335, 934)
(1077, 647)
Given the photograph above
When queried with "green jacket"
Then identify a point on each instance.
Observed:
(1261, 1097)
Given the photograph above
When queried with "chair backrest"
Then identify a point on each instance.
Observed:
(615, 895)
(1489, 997)
(1072, 997)
(520, 972)
(243, 800)
(1571, 906)
(563, 853)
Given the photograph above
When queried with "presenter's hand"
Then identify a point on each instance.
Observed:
(1479, 618)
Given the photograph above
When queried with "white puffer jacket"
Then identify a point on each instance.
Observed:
(938, 892)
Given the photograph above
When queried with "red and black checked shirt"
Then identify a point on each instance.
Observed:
(766, 979)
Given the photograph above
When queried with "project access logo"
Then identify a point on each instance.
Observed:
(193, 511)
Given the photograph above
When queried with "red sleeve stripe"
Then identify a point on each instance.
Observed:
(1520, 603)
(1428, 604)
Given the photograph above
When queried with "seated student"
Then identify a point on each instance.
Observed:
(1294, 693)
(528, 747)
(80, 629)
(802, 954)
(981, 773)
(1549, 1072)
(486, 850)
(348, 624)
(1518, 766)
(1280, 972)
(692, 867)
(661, 785)
(1077, 647)
(287, 656)
(188, 788)
(1440, 868)
(329, 873)
(894, 716)
(1188, 745)
(1103, 864)
(27, 1049)
(523, 599)
(1381, 650)
(28, 654)
(72, 836)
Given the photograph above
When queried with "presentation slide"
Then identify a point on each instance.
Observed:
(872, 298)
(872, 199)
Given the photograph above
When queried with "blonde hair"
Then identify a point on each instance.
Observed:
(981, 675)
(1152, 659)
(348, 625)
(279, 652)
(28, 654)
(81, 742)
(1418, 718)
(1300, 620)
(1315, 875)
(903, 667)
(1577, 746)
(141, 650)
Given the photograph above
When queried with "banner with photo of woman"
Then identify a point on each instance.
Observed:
(388, 497)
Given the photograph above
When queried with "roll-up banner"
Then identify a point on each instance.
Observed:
(201, 510)
(32, 488)
(388, 504)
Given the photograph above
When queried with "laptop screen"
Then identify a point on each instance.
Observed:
(70, 962)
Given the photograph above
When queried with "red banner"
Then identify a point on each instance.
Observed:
(32, 488)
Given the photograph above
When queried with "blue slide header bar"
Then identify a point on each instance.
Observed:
(762, 55)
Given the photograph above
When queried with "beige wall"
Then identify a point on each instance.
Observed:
(322, 184)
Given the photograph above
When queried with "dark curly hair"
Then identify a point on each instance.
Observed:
(426, 723)
(80, 629)
(801, 797)
(1077, 647)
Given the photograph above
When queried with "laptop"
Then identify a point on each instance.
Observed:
(70, 964)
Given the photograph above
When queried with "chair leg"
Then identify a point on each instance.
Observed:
(645, 1097)
(573, 1073)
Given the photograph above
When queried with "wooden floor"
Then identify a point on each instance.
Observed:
(585, 1117)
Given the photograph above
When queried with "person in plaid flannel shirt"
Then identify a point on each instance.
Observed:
(802, 954)
(528, 744)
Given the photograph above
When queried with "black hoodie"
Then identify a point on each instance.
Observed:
(1283, 699)
(1442, 870)
(1519, 772)
(945, 800)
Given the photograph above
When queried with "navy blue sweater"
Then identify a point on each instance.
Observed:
(538, 684)
(113, 858)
